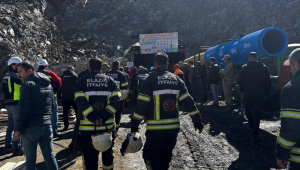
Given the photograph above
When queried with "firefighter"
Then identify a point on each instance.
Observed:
(122, 83)
(228, 81)
(178, 72)
(56, 85)
(98, 98)
(11, 87)
(288, 141)
(161, 93)
(141, 78)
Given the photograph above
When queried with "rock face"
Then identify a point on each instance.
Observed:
(64, 31)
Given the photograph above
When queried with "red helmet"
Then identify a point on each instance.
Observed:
(176, 66)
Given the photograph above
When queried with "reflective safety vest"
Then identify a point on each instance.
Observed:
(97, 96)
(158, 102)
(11, 85)
(288, 140)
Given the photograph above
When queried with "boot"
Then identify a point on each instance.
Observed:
(228, 108)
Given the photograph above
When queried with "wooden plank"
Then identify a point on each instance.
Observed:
(8, 166)
(19, 166)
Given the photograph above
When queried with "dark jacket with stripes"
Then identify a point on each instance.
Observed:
(97, 96)
(288, 141)
(158, 102)
(119, 77)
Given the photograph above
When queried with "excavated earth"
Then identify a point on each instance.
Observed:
(225, 143)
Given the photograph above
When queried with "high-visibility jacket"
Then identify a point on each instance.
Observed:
(179, 73)
(119, 77)
(158, 102)
(97, 96)
(288, 140)
(55, 79)
(11, 87)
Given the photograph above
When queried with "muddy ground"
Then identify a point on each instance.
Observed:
(224, 144)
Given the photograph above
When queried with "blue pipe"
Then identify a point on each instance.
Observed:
(267, 43)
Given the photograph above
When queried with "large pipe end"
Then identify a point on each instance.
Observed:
(274, 41)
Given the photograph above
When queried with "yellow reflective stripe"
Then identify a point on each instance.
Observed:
(157, 107)
(111, 109)
(290, 114)
(79, 94)
(144, 98)
(124, 84)
(86, 122)
(92, 128)
(108, 167)
(295, 158)
(284, 142)
(296, 151)
(17, 91)
(137, 116)
(184, 96)
(163, 127)
(9, 85)
(110, 121)
(289, 109)
(193, 113)
(116, 94)
(166, 91)
(87, 111)
(148, 165)
(163, 121)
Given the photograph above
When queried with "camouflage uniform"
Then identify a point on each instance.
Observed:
(228, 80)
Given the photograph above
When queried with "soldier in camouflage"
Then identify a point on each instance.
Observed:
(228, 80)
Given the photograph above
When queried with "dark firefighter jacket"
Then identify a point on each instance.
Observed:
(288, 141)
(55, 80)
(141, 79)
(11, 87)
(161, 93)
(119, 77)
(97, 96)
(36, 102)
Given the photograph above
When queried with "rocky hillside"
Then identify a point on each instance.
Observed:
(75, 30)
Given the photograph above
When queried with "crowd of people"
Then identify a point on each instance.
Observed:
(99, 95)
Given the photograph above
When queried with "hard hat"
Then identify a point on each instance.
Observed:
(151, 68)
(42, 62)
(102, 141)
(176, 66)
(14, 60)
(124, 94)
(132, 144)
(226, 57)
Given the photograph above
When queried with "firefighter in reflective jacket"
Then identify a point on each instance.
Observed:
(123, 84)
(141, 78)
(162, 92)
(98, 98)
(288, 141)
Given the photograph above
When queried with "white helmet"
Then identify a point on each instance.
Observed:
(102, 141)
(14, 60)
(42, 62)
(132, 144)
(124, 94)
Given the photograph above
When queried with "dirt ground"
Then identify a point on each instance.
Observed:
(224, 144)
